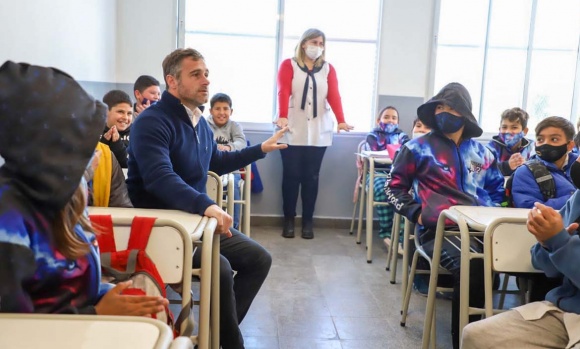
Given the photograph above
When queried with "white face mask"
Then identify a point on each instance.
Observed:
(313, 52)
(417, 135)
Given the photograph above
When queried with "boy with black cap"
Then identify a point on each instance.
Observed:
(445, 168)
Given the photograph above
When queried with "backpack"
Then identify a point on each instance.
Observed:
(134, 264)
(543, 177)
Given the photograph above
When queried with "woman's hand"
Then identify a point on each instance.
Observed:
(345, 127)
(282, 122)
(114, 303)
(271, 143)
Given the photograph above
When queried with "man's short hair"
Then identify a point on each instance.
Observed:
(220, 97)
(516, 114)
(114, 97)
(143, 82)
(557, 122)
(172, 62)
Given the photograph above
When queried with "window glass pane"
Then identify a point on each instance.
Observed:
(551, 85)
(345, 19)
(510, 23)
(462, 22)
(255, 17)
(463, 65)
(504, 85)
(239, 42)
(557, 24)
(246, 76)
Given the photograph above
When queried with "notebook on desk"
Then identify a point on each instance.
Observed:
(376, 153)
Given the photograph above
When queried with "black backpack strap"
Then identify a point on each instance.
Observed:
(543, 177)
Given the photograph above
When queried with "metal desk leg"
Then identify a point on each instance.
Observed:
(370, 208)
(362, 200)
(215, 294)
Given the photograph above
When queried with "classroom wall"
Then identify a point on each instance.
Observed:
(106, 44)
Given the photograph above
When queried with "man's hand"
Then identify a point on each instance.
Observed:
(344, 127)
(224, 220)
(112, 133)
(271, 143)
(281, 122)
(516, 160)
(544, 222)
(114, 303)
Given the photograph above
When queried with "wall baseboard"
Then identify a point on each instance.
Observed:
(322, 222)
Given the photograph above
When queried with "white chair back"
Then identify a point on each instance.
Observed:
(214, 188)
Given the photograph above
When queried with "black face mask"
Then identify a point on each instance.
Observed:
(551, 153)
(575, 174)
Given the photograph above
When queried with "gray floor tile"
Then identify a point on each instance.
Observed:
(311, 343)
(318, 327)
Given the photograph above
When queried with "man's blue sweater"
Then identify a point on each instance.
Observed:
(169, 158)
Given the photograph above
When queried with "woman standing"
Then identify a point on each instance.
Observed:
(307, 85)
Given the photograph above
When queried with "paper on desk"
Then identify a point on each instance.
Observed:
(376, 154)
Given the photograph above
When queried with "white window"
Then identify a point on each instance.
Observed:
(244, 43)
(517, 53)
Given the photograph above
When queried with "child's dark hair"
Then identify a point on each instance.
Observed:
(143, 82)
(220, 97)
(114, 97)
(516, 114)
(557, 122)
(387, 108)
(415, 122)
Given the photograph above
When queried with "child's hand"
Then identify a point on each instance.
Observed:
(112, 134)
(544, 222)
(114, 303)
(516, 160)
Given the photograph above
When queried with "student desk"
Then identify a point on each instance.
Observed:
(370, 158)
(471, 221)
(52, 331)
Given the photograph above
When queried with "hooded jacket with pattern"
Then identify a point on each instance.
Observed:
(503, 153)
(46, 140)
(378, 139)
(441, 173)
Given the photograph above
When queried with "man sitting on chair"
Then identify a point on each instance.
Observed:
(170, 153)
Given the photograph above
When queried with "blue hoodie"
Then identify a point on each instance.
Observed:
(525, 190)
(560, 258)
(169, 158)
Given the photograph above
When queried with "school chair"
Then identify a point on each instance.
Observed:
(245, 187)
(174, 236)
(359, 187)
(181, 343)
(507, 245)
(408, 284)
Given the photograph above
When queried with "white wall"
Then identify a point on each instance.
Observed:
(407, 31)
(146, 33)
(78, 37)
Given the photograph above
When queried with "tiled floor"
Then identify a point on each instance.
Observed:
(322, 294)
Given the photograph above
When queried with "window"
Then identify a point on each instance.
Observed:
(244, 42)
(511, 53)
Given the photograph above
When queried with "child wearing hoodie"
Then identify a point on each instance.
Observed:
(446, 167)
(386, 132)
(48, 251)
(229, 136)
(511, 147)
(554, 322)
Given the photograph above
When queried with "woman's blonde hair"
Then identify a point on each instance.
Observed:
(299, 52)
(65, 240)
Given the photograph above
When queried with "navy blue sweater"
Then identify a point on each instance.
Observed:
(169, 158)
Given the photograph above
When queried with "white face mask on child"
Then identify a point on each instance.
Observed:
(417, 135)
